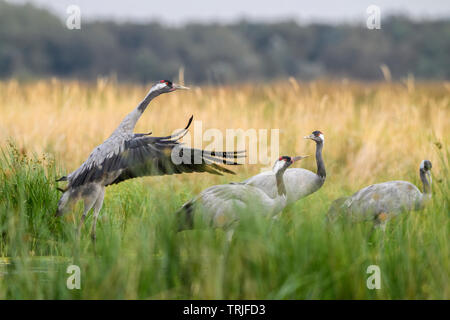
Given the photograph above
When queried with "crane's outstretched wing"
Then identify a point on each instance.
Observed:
(144, 155)
(147, 157)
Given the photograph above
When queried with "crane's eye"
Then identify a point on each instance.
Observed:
(281, 158)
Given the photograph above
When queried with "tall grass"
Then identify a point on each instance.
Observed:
(373, 132)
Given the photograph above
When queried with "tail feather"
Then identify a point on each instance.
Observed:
(185, 216)
(222, 169)
(63, 203)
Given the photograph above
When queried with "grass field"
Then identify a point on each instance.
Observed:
(373, 133)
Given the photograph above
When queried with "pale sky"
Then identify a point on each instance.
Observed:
(181, 11)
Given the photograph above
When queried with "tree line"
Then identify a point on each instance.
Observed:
(36, 43)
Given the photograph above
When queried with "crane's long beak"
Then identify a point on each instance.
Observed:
(311, 136)
(180, 87)
(297, 158)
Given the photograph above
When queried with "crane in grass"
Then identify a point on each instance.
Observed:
(126, 155)
(382, 201)
(299, 182)
(220, 206)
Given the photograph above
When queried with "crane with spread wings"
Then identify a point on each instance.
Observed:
(126, 155)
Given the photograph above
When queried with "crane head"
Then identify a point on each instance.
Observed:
(317, 136)
(284, 162)
(164, 86)
(425, 165)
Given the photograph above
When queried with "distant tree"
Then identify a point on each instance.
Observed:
(35, 43)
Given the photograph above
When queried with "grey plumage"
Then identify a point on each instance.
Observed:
(382, 201)
(299, 182)
(221, 205)
(335, 211)
(126, 155)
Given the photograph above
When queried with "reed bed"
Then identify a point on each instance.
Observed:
(374, 132)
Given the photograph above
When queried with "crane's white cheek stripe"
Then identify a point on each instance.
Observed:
(277, 166)
(422, 164)
(322, 137)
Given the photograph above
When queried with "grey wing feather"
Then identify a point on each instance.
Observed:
(229, 200)
(152, 156)
(388, 197)
(265, 181)
(301, 183)
(137, 135)
(103, 160)
(119, 159)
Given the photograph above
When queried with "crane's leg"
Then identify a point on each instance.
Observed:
(380, 222)
(88, 203)
(97, 207)
(229, 235)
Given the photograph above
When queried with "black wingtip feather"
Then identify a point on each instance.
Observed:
(189, 123)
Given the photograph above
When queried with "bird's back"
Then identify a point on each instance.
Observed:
(301, 183)
(388, 197)
(336, 209)
(265, 181)
(222, 204)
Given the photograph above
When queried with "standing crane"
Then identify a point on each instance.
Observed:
(126, 155)
(299, 182)
(221, 205)
(382, 201)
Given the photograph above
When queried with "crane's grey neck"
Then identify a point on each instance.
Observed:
(319, 160)
(280, 183)
(129, 122)
(425, 182)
